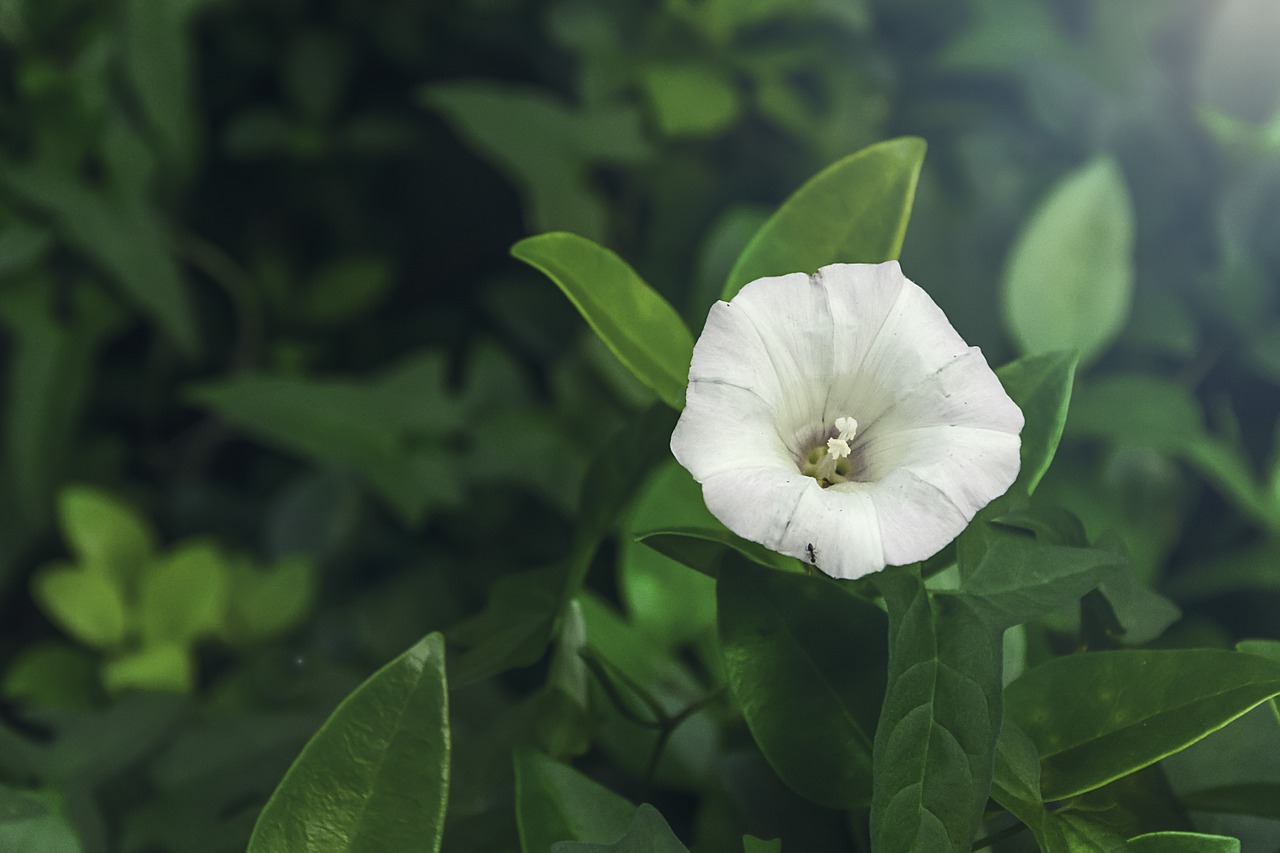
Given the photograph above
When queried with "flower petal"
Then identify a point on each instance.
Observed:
(725, 427)
(775, 339)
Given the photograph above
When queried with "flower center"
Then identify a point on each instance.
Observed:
(830, 463)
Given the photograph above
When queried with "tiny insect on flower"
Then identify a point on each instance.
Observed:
(840, 419)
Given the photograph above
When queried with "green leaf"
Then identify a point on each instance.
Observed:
(1019, 578)
(28, 824)
(157, 59)
(514, 628)
(1098, 716)
(83, 601)
(1153, 412)
(707, 549)
(1016, 786)
(161, 667)
(346, 288)
(53, 673)
(390, 431)
(1069, 280)
(266, 603)
(554, 803)
(183, 596)
(563, 722)
(1260, 799)
(102, 530)
(544, 147)
(665, 600)
(51, 362)
(751, 844)
(1183, 842)
(648, 833)
(805, 659)
(1041, 386)
(690, 99)
(376, 775)
(638, 325)
(123, 236)
(935, 742)
(21, 246)
(854, 211)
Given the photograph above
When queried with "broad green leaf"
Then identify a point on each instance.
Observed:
(1041, 386)
(183, 596)
(83, 601)
(1153, 412)
(805, 659)
(706, 549)
(664, 599)
(1016, 786)
(160, 667)
(514, 628)
(157, 59)
(29, 825)
(544, 147)
(935, 742)
(1183, 842)
(49, 368)
(1260, 799)
(641, 681)
(102, 530)
(691, 99)
(1069, 280)
(390, 430)
(124, 237)
(376, 776)
(648, 833)
(21, 246)
(854, 211)
(751, 844)
(1019, 578)
(638, 325)
(53, 673)
(265, 603)
(563, 721)
(346, 288)
(555, 803)
(1098, 716)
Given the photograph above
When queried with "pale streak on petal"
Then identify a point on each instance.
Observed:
(969, 465)
(841, 523)
(758, 503)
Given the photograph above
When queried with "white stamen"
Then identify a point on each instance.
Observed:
(837, 448)
(848, 428)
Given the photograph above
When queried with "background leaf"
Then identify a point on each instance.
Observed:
(556, 803)
(805, 660)
(376, 775)
(854, 211)
(639, 326)
(1069, 280)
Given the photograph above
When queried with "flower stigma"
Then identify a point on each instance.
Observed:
(832, 463)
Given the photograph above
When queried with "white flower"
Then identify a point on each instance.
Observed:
(839, 418)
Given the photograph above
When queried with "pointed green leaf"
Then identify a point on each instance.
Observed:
(935, 742)
(376, 776)
(1069, 279)
(1098, 716)
(84, 602)
(1183, 842)
(854, 211)
(751, 844)
(648, 833)
(704, 549)
(1041, 386)
(639, 326)
(555, 803)
(1260, 799)
(805, 659)
(183, 595)
(102, 530)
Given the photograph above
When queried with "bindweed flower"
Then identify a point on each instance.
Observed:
(839, 418)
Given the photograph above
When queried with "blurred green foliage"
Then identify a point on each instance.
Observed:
(255, 288)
